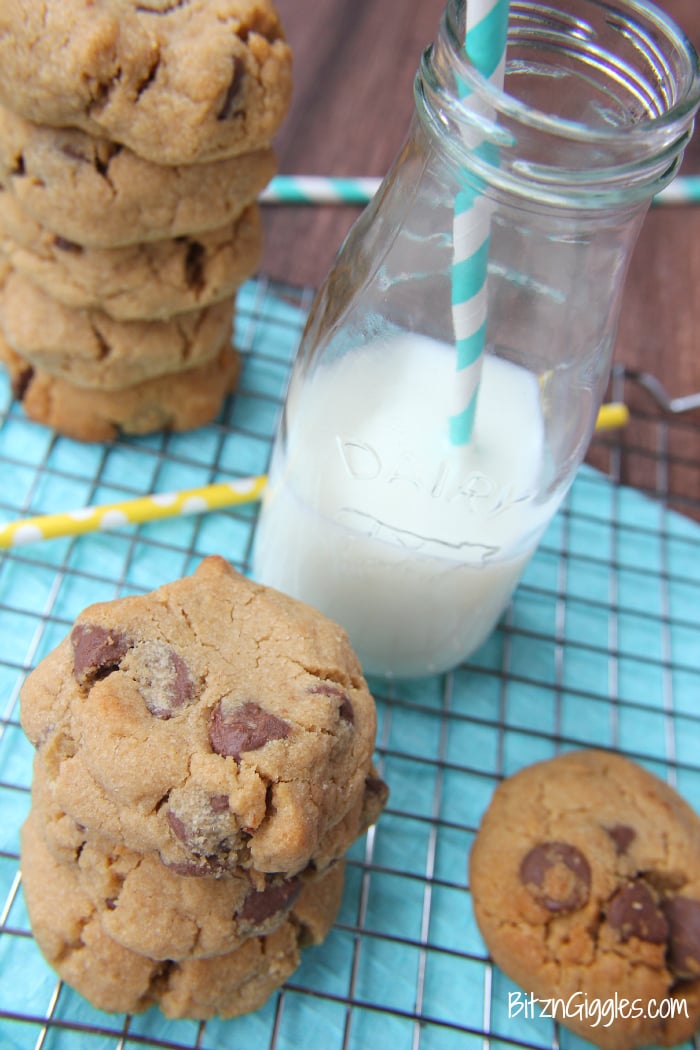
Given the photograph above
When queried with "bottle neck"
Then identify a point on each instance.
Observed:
(596, 109)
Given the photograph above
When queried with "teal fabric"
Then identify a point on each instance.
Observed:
(601, 647)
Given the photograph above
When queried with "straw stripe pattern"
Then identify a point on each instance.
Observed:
(683, 190)
(317, 189)
(487, 27)
(331, 189)
(132, 512)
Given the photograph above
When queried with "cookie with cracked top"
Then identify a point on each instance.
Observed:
(66, 838)
(585, 879)
(153, 281)
(67, 929)
(214, 721)
(155, 911)
(88, 348)
(177, 82)
(99, 194)
(179, 401)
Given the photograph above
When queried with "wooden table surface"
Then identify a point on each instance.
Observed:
(354, 67)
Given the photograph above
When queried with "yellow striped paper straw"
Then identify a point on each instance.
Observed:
(612, 416)
(179, 504)
(132, 512)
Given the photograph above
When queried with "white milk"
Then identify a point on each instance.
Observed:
(412, 545)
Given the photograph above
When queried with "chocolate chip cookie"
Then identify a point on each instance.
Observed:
(177, 81)
(89, 348)
(585, 879)
(154, 910)
(214, 721)
(182, 401)
(154, 281)
(96, 193)
(69, 933)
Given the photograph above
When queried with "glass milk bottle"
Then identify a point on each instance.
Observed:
(454, 361)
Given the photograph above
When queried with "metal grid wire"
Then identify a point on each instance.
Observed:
(601, 647)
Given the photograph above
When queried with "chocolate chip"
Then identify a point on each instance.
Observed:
(178, 827)
(228, 106)
(97, 651)
(683, 956)
(345, 709)
(67, 246)
(194, 265)
(219, 803)
(259, 906)
(376, 786)
(623, 836)
(633, 912)
(21, 381)
(162, 678)
(246, 727)
(557, 875)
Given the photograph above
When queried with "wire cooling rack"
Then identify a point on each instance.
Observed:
(600, 647)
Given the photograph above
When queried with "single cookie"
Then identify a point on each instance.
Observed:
(72, 939)
(99, 194)
(89, 348)
(152, 910)
(585, 878)
(214, 721)
(177, 81)
(152, 281)
(182, 401)
(66, 838)
(155, 911)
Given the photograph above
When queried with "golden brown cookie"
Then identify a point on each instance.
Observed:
(66, 838)
(99, 194)
(89, 348)
(72, 939)
(154, 910)
(177, 82)
(182, 401)
(152, 281)
(214, 721)
(585, 878)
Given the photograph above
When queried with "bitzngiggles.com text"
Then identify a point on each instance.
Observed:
(598, 1013)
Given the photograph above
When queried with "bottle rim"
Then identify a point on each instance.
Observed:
(601, 163)
(646, 12)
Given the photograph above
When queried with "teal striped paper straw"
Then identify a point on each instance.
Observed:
(683, 190)
(471, 235)
(332, 189)
(485, 43)
(318, 189)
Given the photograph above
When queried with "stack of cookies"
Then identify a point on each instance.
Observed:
(204, 761)
(134, 141)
